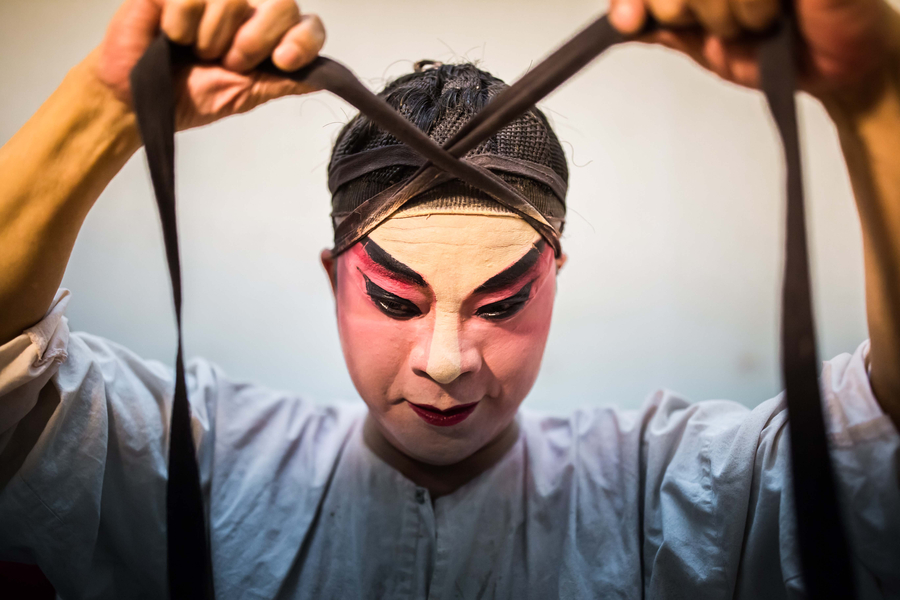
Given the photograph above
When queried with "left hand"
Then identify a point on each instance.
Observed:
(846, 42)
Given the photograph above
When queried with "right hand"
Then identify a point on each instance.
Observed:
(231, 36)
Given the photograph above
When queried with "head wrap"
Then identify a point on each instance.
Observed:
(439, 99)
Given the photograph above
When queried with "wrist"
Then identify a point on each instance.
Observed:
(867, 119)
(58, 163)
(873, 96)
(101, 110)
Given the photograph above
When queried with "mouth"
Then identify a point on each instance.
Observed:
(443, 418)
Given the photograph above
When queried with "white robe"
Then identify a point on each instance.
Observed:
(675, 500)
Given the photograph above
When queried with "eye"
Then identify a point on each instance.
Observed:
(496, 311)
(390, 304)
(396, 309)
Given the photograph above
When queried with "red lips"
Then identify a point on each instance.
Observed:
(443, 418)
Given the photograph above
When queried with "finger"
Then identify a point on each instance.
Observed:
(220, 22)
(742, 58)
(270, 87)
(628, 16)
(256, 39)
(733, 61)
(756, 15)
(300, 45)
(716, 18)
(674, 13)
(180, 19)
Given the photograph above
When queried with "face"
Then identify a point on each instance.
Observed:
(443, 321)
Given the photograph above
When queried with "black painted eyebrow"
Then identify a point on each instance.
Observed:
(511, 274)
(380, 257)
(373, 289)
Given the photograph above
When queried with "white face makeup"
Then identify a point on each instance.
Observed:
(437, 247)
(443, 320)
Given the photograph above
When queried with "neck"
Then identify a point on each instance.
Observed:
(440, 480)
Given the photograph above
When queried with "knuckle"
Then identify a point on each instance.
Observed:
(716, 17)
(287, 9)
(306, 47)
(235, 11)
(237, 6)
(756, 14)
(669, 11)
(238, 59)
(187, 6)
(208, 50)
(248, 52)
(206, 53)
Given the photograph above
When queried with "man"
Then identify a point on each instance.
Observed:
(443, 312)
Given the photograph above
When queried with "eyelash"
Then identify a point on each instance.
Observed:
(497, 311)
(390, 304)
(402, 309)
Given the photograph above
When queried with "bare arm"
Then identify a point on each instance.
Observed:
(868, 123)
(54, 169)
(51, 173)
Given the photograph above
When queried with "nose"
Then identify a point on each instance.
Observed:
(446, 359)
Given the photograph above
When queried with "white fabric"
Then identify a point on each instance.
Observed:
(675, 500)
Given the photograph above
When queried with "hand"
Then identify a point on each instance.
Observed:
(231, 36)
(845, 41)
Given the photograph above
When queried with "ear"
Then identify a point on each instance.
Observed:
(561, 261)
(329, 262)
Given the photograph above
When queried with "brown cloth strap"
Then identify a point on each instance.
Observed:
(362, 163)
(484, 162)
(327, 74)
(827, 571)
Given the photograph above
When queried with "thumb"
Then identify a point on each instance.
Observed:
(269, 87)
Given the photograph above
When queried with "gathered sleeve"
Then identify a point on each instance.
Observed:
(83, 457)
(718, 502)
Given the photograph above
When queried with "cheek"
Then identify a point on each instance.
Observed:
(513, 351)
(375, 347)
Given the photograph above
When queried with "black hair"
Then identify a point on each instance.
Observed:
(424, 98)
(438, 98)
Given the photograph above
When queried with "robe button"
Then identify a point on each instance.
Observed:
(420, 496)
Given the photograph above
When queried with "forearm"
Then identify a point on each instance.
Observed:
(868, 123)
(51, 173)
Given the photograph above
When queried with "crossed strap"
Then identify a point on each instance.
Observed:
(826, 567)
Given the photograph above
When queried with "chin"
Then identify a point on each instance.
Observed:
(444, 446)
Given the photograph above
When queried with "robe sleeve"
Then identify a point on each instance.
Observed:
(83, 446)
(718, 497)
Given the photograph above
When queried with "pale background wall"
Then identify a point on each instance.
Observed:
(674, 234)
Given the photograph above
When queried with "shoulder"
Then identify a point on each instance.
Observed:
(264, 420)
(667, 434)
(237, 424)
(665, 417)
(264, 432)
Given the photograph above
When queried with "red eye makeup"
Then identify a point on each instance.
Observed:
(504, 309)
(390, 304)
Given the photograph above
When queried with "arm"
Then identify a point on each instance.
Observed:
(51, 173)
(54, 169)
(868, 123)
(850, 60)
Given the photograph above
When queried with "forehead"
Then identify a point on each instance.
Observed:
(458, 250)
